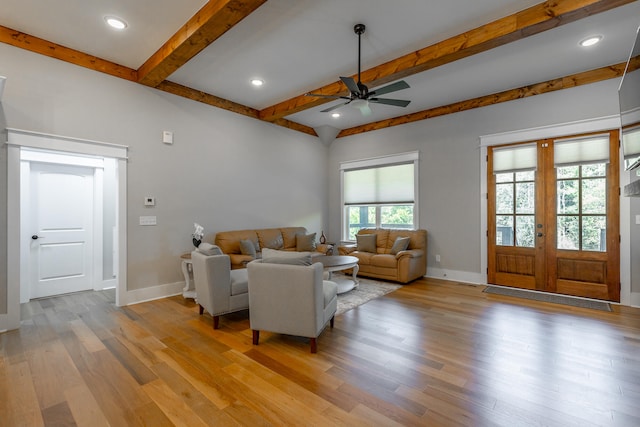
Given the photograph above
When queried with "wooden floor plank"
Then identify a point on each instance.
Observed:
(431, 353)
(85, 409)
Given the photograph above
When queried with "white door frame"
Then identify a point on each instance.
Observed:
(557, 131)
(20, 138)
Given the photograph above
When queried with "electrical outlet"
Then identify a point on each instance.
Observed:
(437, 258)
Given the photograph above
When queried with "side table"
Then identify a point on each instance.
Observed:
(189, 290)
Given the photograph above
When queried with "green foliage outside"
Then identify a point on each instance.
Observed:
(581, 208)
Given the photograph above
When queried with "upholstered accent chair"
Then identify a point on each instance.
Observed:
(219, 289)
(290, 299)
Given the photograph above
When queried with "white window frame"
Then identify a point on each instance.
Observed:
(394, 159)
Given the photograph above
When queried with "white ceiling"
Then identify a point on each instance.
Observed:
(297, 46)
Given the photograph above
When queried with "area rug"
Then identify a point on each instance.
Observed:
(546, 297)
(367, 290)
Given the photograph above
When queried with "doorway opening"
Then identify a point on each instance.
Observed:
(68, 219)
(17, 272)
(553, 215)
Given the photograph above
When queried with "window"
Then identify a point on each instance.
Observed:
(379, 193)
(514, 168)
(581, 181)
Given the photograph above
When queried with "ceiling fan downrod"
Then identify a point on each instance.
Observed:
(359, 30)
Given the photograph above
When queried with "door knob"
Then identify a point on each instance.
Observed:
(35, 237)
(540, 234)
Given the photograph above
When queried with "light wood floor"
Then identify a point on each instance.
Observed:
(433, 353)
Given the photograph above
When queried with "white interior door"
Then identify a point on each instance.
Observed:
(61, 211)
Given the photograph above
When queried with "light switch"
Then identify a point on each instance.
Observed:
(148, 220)
(167, 137)
(638, 219)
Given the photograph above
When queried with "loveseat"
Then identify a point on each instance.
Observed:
(390, 254)
(243, 246)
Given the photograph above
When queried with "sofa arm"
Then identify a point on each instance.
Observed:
(347, 249)
(324, 248)
(412, 253)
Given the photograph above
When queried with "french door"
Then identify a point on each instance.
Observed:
(553, 212)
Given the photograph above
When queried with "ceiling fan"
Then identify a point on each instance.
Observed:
(360, 96)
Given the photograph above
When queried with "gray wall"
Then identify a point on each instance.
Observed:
(224, 171)
(3, 212)
(450, 163)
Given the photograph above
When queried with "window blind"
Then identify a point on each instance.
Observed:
(594, 149)
(515, 158)
(631, 142)
(385, 184)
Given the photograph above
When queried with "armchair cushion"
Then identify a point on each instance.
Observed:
(239, 281)
(272, 256)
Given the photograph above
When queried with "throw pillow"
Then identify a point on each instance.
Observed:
(247, 247)
(306, 242)
(366, 242)
(401, 244)
(209, 249)
(272, 256)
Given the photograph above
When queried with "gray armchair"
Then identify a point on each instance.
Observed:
(290, 299)
(219, 290)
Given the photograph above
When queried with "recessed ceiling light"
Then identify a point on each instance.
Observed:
(335, 115)
(590, 41)
(115, 22)
(257, 82)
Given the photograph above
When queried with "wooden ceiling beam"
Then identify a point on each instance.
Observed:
(587, 77)
(225, 104)
(53, 50)
(533, 20)
(206, 26)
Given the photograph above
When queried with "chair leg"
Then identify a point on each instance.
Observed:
(256, 336)
(314, 345)
(201, 310)
(216, 322)
(331, 321)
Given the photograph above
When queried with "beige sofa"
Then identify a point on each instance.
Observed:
(383, 262)
(285, 238)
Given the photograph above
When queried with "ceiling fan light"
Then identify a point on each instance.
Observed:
(360, 103)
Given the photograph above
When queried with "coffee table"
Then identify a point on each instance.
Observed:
(338, 263)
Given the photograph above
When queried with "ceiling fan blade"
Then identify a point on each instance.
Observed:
(351, 84)
(335, 107)
(386, 101)
(391, 88)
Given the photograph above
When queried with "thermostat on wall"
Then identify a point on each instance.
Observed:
(149, 201)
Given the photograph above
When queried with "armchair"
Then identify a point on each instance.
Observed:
(290, 299)
(219, 289)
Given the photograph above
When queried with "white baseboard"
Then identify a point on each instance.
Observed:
(107, 284)
(456, 276)
(151, 293)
